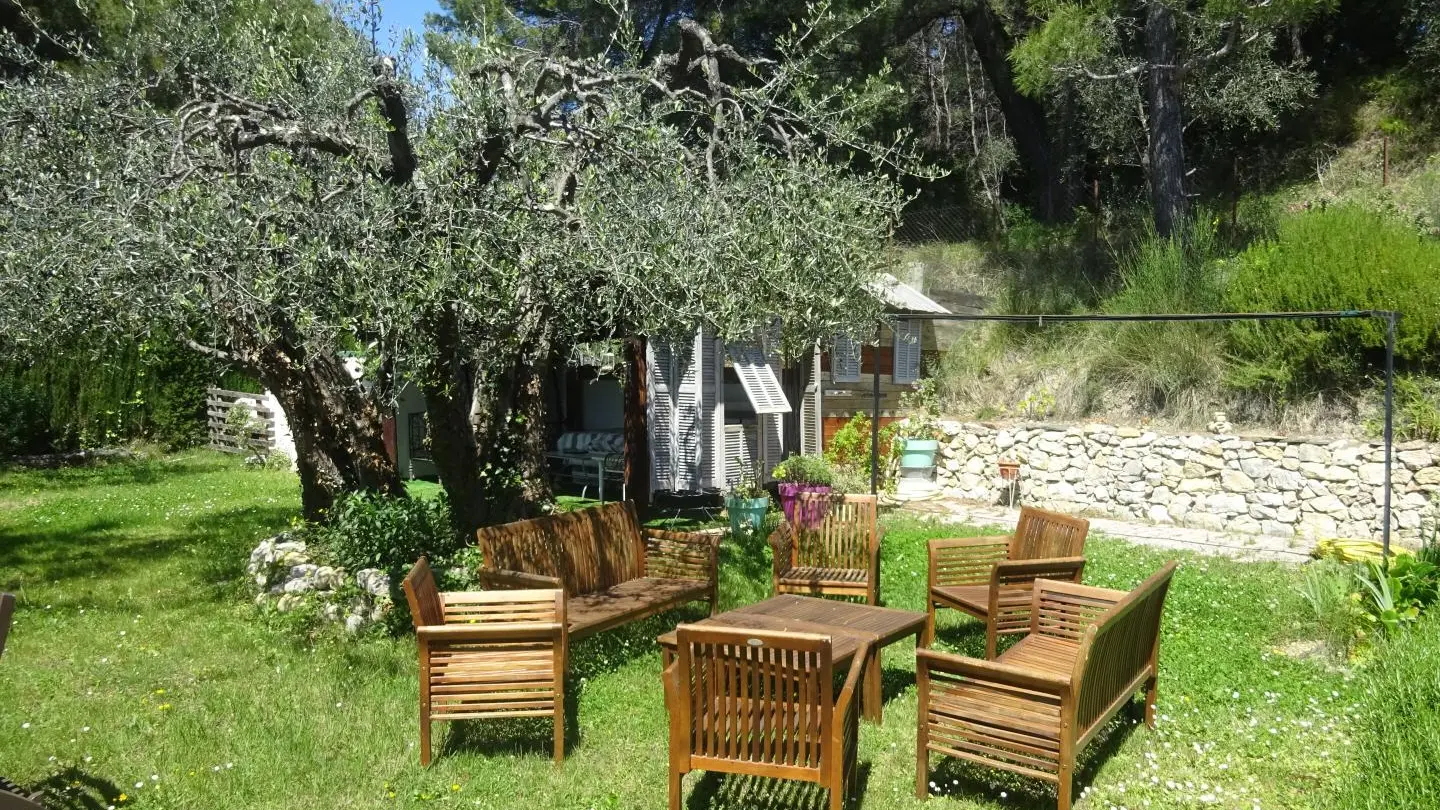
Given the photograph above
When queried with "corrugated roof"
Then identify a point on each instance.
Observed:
(901, 297)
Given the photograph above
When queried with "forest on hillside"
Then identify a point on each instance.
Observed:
(1095, 155)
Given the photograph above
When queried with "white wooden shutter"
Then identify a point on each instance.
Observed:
(907, 352)
(662, 415)
(689, 427)
(845, 360)
(811, 414)
(772, 443)
(739, 452)
(712, 409)
(757, 377)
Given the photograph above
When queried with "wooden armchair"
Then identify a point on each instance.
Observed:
(761, 703)
(1087, 652)
(989, 577)
(839, 556)
(488, 654)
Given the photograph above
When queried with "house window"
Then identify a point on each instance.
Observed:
(419, 449)
(758, 378)
(845, 360)
(907, 352)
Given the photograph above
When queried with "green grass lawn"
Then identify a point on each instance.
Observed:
(138, 665)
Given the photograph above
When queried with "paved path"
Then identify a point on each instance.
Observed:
(1204, 541)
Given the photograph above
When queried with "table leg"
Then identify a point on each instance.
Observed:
(871, 706)
(667, 656)
(600, 478)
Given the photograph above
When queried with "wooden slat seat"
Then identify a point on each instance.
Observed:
(1087, 652)
(837, 556)
(486, 655)
(593, 612)
(970, 598)
(1053, 656)
(990, 577)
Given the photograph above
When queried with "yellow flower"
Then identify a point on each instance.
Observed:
(122, 797)
(454, 787)
(159, 691)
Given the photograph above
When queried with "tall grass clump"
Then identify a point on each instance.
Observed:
(1173, 367)
(1333, 259)
(1396, 755)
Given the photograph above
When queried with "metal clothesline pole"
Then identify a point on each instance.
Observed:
(1390, 317)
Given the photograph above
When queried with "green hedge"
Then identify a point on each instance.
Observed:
(1333, 259)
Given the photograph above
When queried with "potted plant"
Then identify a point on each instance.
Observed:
(746, 503)
(798, 474)
(920, 431)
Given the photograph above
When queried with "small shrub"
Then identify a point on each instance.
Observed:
(798, 469)
(849, 450)
(1326, 586)
(375, 531)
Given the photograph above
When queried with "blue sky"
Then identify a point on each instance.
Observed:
(406, 13)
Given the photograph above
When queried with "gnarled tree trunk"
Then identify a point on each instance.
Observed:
(339, 433)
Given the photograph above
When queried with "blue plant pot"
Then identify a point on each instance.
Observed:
(919, 453)
(746, 514)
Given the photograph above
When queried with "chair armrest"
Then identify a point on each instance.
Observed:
(497, 631)
(1024, 572)
(504, 579)
(681, 555)
(994, 672)
(782, 540)
(966, 560)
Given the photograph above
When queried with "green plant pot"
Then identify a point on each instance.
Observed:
(919, 453)
(746, 514)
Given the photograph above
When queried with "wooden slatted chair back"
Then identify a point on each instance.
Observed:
(502, 607)
(843, 537)
(1040, 534)
(1065, 610)
(1012, 592)
(1120, 648)
(426, 608)
(7, 614)
(588, 550)
(753, 701)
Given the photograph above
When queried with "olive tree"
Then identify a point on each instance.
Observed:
(458, 227)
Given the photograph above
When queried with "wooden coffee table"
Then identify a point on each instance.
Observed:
(846, 623)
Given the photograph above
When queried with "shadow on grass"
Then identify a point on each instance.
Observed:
(111, 472)
(720, 791)
(75, 789)
(213, 545)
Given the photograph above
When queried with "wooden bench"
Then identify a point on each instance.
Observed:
(838, 556)
(989, 577)
(762, 702)
(487, 654)
(612, 571)
(1087, 653)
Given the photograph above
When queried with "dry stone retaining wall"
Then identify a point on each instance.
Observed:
(1306, 488)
